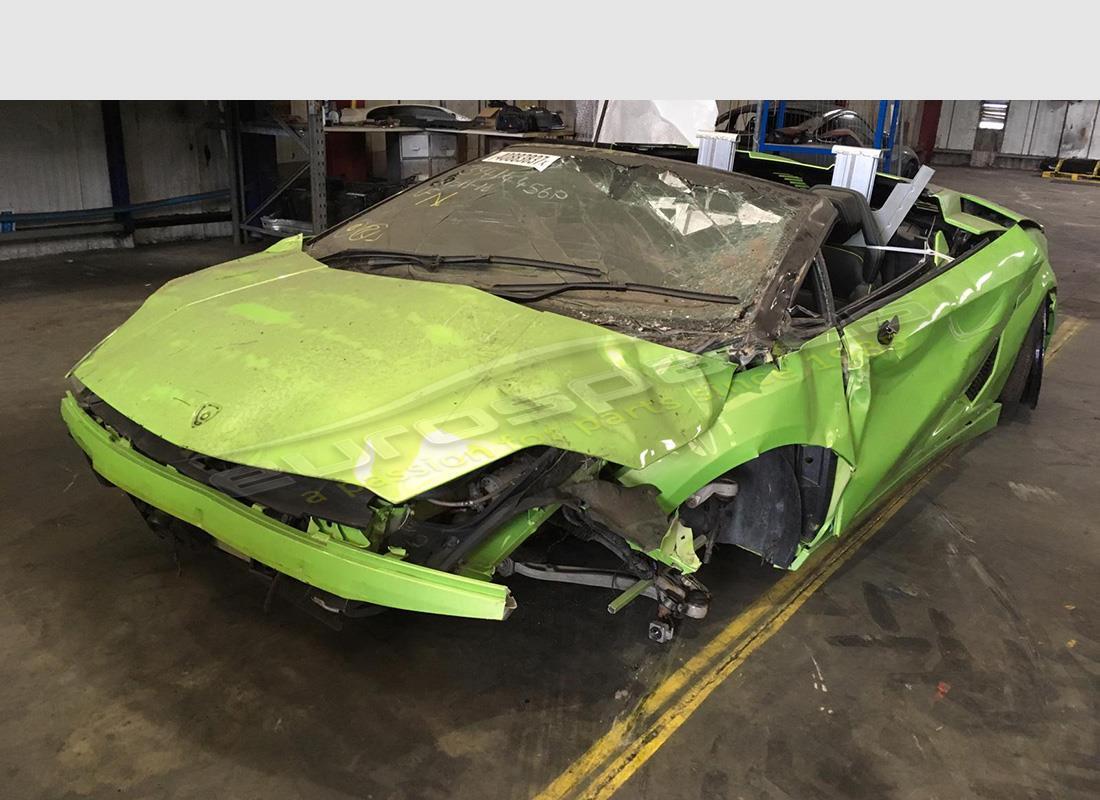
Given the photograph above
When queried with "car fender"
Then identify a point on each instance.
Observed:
(798, 399)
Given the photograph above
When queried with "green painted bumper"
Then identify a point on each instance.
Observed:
(336, 567)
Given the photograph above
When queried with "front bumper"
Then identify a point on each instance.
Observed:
(336, 567)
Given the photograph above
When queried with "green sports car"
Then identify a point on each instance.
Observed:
(654, 356)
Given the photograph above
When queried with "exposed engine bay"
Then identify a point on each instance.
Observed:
(442, 527)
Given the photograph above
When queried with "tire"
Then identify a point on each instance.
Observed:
(1022, 386)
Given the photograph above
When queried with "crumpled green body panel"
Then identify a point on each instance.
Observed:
(798, 399)
(884, 409)
(909, 399)
(315, 558)
(280, 362)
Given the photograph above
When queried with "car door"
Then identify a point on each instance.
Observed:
(915, 350)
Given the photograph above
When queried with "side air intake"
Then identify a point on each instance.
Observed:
(984, 371)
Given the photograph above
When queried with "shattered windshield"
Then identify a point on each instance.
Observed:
(637, 219)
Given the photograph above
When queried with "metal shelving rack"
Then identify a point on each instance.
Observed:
(885, 131)
(309, 141)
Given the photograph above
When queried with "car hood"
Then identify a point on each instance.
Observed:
(280, 362)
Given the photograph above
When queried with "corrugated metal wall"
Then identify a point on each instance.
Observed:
(1037, 128)
(173, 149)
(53, 158)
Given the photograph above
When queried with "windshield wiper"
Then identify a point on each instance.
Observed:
(531, 292)
(382, 259)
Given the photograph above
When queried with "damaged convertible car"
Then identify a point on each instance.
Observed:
(658, 358)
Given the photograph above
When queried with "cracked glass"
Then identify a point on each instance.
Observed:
(637, 219)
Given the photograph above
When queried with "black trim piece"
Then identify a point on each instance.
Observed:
(771, 320)
(295, 497)
(981, 378)
(889, 292)
(533, 292)
(1035, 376)
(982, 211)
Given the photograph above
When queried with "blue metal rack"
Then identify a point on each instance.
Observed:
(886, 128)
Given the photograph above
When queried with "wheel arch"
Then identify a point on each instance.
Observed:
(1035, 375)
(784, 501)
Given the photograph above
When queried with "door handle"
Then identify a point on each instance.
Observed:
(888, 330)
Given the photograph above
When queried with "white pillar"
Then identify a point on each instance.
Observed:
(856, 167)
(717, 149)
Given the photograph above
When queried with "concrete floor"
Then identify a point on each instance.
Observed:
(956, 655)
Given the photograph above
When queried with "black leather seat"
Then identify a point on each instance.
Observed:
(853, 270)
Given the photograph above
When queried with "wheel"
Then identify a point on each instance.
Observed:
(1022, 386)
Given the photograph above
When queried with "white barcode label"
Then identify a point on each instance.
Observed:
(518, 158)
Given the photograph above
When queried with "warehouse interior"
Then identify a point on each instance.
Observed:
(949, 647)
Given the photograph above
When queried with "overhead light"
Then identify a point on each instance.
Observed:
(993, 115)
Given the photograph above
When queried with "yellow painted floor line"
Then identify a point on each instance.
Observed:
(1068, 327)
(633, 739)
